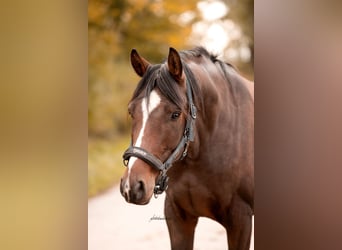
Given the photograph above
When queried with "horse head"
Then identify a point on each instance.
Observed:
(159, 113)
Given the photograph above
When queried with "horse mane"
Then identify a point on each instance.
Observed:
(201, 51)
(223, 66)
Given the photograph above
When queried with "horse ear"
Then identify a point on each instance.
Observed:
(175, 64)
(139, 64)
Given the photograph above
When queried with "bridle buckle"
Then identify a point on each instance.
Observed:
(161, 184)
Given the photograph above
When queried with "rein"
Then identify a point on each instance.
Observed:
(188, 136)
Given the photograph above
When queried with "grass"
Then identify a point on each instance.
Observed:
(105, 166)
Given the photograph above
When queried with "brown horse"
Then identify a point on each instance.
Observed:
(193, 136)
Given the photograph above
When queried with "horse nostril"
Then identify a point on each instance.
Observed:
(126, 196)
(141, 186)
(139, 191)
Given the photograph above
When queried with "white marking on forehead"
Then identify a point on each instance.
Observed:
(146, 111)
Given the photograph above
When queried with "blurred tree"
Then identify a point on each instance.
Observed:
(242, 13)
(114, 28)
(148, 25)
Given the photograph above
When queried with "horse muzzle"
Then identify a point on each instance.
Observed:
(136, 193)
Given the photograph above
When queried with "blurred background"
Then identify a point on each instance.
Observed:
(43, 100)
(115, 27)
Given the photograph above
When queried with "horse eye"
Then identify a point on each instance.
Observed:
(175, 115)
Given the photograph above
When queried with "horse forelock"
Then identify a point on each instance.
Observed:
(158, 76)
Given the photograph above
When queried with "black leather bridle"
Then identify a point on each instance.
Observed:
(188, 136)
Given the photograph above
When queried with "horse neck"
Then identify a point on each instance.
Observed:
(220, 115)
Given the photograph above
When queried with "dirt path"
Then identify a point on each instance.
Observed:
(115, 224)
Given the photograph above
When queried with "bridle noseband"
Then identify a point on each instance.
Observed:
(188, 136)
